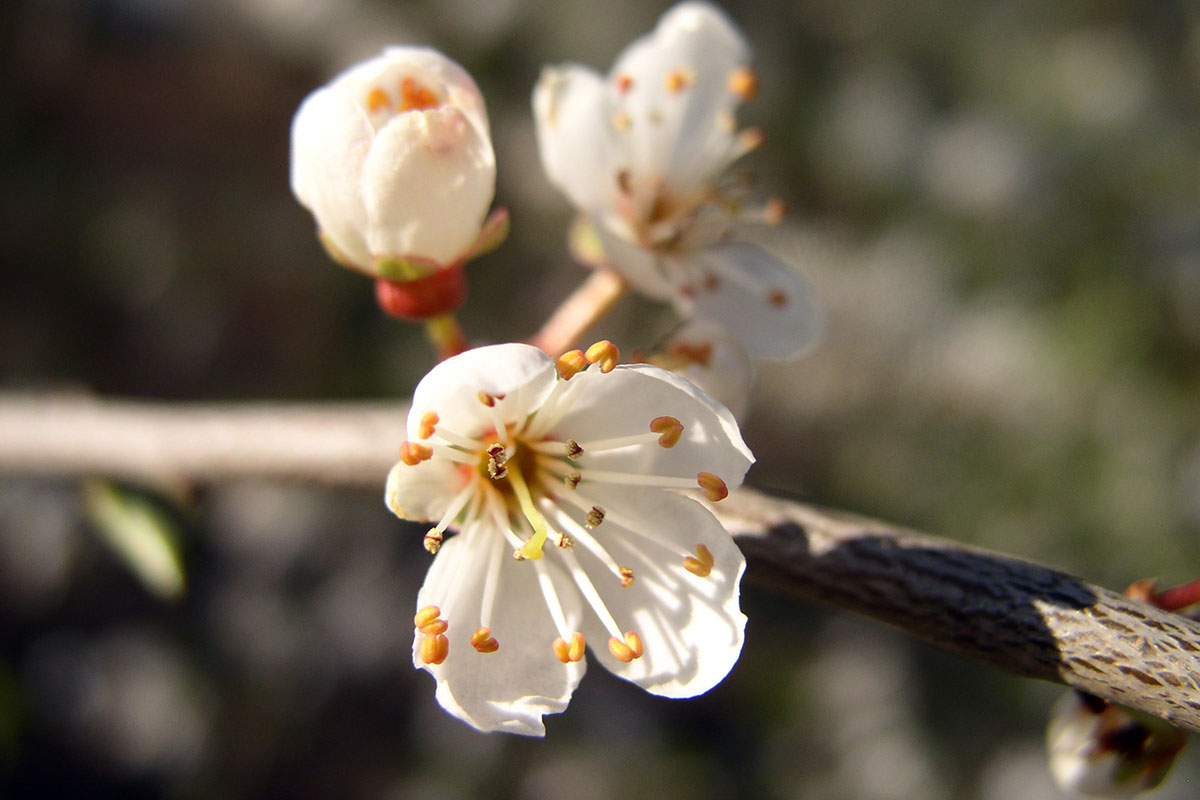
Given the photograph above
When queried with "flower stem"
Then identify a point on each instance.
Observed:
(446, 335)
(587, 304)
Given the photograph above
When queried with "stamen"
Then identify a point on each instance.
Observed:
(572, 652)
(551, 598)
(413, 453)
(556, 467)
(594, 517)
(588, 590)
(626, 577)
(571, 364)
(428, 422)
(621, 122)
(377, 100)
(605, 353)
(433, 541)
(497, 458)
(533, 547)
(701, 565)
(415, 97)
(578, 647)
(669, 430)
(777, 298)
(434, 649)
(564, 520)
(435, 627)
(714, 488)
(677, 80)
(426, 615)
(456, 505)
(572, 479)
(565, 542)
(483, 641)
(490, 583)
(743, 83)
(487, 399)
(626, 650)
(573, 449)
(624, 83)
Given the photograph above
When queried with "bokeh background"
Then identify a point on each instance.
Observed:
(996, 203)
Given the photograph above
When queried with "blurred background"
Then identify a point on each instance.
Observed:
(996, 203)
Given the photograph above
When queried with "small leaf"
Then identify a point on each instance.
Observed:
(141, 533)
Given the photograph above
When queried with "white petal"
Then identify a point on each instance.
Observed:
(691, 627)
(646, 271)
(624, 401)
(520, 372)
(510, 689)
(427, 184)
(574, 114)
(760, 300)
(330, 138)
(423, 492)
(672, 132)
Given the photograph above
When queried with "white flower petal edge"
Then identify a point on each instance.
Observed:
(564, 488)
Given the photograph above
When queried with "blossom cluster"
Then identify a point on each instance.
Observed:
(566, 480)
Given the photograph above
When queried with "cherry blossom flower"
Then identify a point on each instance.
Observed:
(642, 154)
(394, 159)
(563, 481)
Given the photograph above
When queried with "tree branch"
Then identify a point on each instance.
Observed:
(1022, 617)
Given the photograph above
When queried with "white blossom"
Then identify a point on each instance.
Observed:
(564, 482)
(394, 159)
(642, 154)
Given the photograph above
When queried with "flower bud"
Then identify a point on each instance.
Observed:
(1097, 749)
(394, 159)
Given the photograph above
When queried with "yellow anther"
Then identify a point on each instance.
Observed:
(413, 453)
(604, 353)
(568, 653)
(626, 577)
(743, 83)
(624, 83)
(429, 421)
(774, 210)
(626, 650)
(426, 615)
(679, 79)
(714, 488)
(487, 399)
(668, 429)
(415, 97)
(435, 627)
(621, 122)
(571, 364)
(483, 641)
(377, 99)
(635, 644)
(573, 449)
(576, 650)
(433, 541)
(572, 479)
(435, 648)
(700, 566)
(594, 517)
